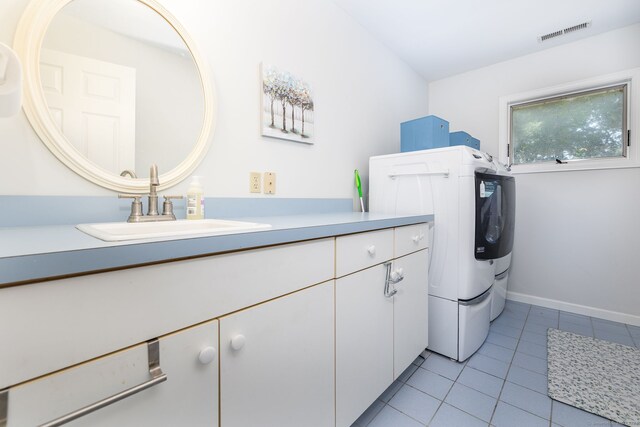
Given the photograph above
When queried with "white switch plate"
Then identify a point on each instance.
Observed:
(255, 185)
(269, 183)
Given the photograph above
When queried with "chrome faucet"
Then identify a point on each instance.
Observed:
(137, 214)
(153, 195)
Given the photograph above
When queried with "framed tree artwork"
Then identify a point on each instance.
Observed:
(287, 106)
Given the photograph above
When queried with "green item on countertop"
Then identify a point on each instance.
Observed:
(359, 187)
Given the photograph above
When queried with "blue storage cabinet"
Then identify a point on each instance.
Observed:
(423, 133)
(463, 138)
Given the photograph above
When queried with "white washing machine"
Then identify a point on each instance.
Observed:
(473, 203)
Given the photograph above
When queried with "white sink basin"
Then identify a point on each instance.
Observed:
(118, 231)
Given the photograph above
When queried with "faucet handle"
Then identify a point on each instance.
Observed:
(136, 206)
(167, 205)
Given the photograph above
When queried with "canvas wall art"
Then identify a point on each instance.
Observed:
(287, 106)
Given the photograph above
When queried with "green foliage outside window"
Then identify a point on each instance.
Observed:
(579, 126)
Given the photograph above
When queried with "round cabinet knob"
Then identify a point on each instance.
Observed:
(397, 275)
(238, 342)
(207, 355)
(372, 250)
(415, 239)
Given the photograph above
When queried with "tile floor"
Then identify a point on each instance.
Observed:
(503, 384)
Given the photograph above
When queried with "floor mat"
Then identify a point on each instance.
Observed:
(598, 376)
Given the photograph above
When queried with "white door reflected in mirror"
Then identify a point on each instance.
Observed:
(93, 103)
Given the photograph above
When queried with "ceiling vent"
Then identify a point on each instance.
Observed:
(564, 31)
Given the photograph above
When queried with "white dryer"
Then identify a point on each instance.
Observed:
(473, 203)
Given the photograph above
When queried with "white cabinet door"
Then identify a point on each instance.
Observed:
(277, 362)
(364, 342)
(189, 396)
(410, 326)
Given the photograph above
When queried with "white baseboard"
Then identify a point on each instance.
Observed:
(614, 316)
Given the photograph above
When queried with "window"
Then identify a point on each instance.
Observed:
(579, 125)
(590, 124)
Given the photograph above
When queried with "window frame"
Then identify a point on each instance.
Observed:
(631, 119)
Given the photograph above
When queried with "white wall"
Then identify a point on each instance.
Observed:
(361, 91)
(577, 236)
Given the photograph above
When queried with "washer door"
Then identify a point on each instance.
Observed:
(495, 215)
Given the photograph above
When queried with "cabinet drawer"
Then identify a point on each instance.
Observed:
(64, 322)
(410, 239)
(358, 251)
(163, 404)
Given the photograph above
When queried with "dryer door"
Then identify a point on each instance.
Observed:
(495, 215)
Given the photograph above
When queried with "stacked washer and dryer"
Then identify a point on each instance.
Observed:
(472, 198)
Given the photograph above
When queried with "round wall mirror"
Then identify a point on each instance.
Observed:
(113, 86)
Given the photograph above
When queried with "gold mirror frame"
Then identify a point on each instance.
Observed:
(29, 36)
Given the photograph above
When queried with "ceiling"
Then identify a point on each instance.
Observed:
(440, 38)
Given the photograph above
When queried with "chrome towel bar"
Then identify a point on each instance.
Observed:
(157, 377)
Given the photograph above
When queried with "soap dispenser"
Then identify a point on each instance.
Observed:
(195, 199)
